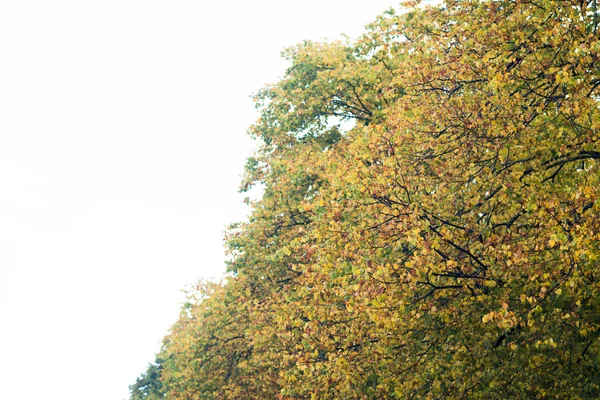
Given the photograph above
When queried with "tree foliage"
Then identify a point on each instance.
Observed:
(149, 386)
(429, 225)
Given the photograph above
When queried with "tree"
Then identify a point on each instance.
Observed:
(429, 226)
(148, 386)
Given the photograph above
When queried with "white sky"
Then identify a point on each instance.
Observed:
(122, 141)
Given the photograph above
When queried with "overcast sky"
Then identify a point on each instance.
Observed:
(122, 141)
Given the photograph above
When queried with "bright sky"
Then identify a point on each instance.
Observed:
(122, 141)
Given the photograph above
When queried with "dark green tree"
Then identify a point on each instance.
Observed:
(148, 385)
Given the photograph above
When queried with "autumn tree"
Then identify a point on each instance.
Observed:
(429, 225)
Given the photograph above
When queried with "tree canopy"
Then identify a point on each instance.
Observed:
(429, 220)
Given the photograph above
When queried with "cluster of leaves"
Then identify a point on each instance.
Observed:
(429, 226)
(148, 386)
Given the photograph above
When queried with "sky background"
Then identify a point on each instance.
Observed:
(122, 142)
